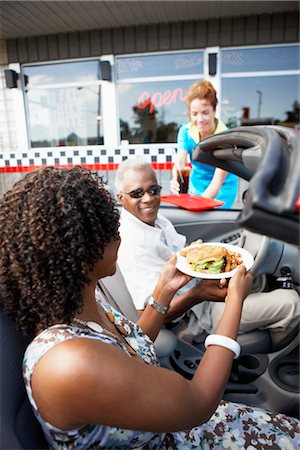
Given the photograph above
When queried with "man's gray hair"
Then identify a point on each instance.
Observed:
(135, 163)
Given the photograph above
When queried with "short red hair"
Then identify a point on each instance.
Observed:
(202, 90)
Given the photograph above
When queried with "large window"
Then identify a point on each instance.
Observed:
(68, 104)
(260, 86)
(64, 104)
(151, 94)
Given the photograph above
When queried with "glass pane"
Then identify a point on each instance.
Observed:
(261, 100)
(160, 65)
(67, 116)
(259, 59)
(152, 112)
(62, 73)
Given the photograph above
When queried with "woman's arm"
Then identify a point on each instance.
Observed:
(207, 290)
(215, 185)
(216, 357)
(84, 381)
(169, 282)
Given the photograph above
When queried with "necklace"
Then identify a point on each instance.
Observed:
(95, 327)
(99, 329)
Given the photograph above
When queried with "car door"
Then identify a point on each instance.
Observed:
(216, 225)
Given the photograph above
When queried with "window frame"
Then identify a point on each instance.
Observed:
(108, 99)
(159, 78)
(253, 73)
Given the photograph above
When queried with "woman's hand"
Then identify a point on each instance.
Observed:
(174, 185)
(215, 185)
(169, 282)
(240, 285)
(170, 277)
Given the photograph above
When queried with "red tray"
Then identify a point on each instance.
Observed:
(191, 202)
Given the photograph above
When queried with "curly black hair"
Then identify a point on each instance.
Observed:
(54, 225)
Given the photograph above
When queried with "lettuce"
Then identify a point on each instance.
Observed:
(208, 266)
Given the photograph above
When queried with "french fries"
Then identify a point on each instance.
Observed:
(233, 259)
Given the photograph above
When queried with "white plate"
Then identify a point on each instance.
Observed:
(247, 258)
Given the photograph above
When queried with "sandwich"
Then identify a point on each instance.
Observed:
(212, 259)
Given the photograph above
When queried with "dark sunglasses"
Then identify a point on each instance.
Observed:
(138, 193)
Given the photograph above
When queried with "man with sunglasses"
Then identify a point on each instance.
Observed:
(148, 239)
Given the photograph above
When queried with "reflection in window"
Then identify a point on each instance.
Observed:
(179, 63)
(152, 112)
(261, 100)
(65, 116)
(260, 59)
(69, 72)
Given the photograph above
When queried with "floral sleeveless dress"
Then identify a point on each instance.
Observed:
(232, 426)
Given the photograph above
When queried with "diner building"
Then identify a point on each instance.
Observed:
(91, 82)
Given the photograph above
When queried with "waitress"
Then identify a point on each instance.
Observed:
(204, 180)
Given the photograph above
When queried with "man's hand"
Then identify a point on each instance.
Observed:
(198, 241)
(212, 290)
(207, 290)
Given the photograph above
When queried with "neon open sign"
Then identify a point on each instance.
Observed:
(159, 99)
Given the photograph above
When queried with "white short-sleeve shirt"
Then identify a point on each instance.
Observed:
(143, 251)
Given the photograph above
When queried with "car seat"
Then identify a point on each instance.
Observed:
(269, 158)
(119, 297)
(19, 428)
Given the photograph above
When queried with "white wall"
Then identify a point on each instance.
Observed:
(8, 139)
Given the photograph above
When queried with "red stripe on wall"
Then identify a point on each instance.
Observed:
(98, 167)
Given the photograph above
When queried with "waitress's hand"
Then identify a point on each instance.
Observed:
(174, 186)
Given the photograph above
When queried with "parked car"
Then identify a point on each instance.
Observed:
(268, 158)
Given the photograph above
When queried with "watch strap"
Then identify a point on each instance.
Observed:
(159, 308)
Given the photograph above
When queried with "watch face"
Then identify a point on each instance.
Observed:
(159, 308)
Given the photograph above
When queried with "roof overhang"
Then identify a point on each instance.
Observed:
(36, 18)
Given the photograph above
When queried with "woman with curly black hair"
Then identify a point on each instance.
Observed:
(55, 226)
(91, 375)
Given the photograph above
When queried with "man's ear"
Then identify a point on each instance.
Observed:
(120, 197)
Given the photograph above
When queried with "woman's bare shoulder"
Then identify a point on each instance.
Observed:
(87, 381)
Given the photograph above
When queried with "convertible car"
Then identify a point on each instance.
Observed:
(267, 158)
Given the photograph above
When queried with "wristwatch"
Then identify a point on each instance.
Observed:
(159, 308)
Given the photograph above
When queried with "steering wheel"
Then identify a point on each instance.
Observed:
(258, 245)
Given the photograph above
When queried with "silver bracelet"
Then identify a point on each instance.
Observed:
(223, 341)
(159, 308)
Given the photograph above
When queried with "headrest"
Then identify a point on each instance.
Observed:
(269, 158)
